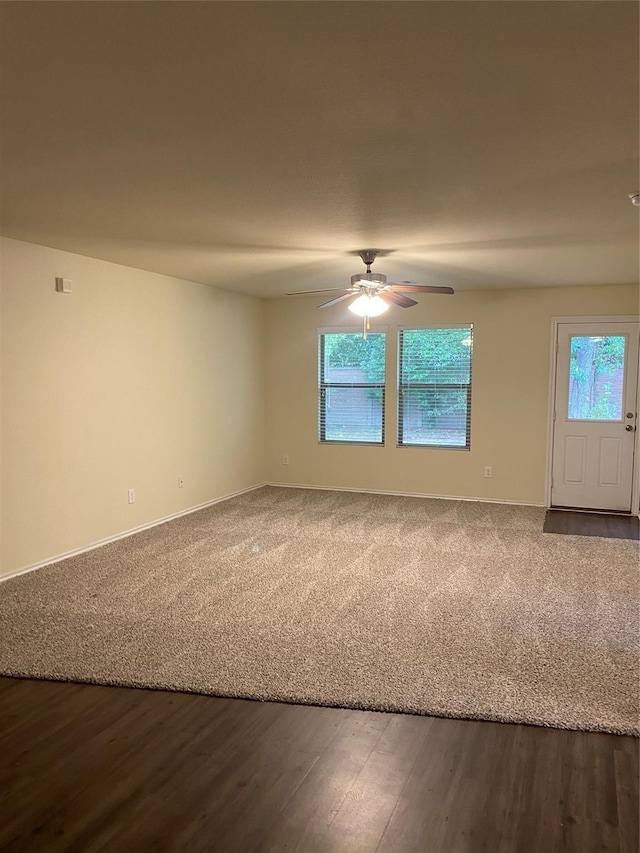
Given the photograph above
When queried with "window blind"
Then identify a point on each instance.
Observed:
(434, 387)
(351, 387)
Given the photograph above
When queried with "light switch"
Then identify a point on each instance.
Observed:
(63, 285)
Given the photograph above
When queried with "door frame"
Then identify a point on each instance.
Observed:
(553, 364)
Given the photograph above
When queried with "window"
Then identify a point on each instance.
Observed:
(596, 378)
(434, 393)
(351, 387)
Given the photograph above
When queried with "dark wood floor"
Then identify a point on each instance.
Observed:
(592, 524)
(86, 768)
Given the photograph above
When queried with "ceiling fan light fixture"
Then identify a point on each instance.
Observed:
(368, 306)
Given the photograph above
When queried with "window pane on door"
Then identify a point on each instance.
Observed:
(596, 377)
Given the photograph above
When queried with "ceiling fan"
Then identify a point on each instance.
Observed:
(371, 293)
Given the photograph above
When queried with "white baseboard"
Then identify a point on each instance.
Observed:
(57, 559)
(405, 494)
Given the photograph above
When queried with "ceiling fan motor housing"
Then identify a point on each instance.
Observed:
(364, 277)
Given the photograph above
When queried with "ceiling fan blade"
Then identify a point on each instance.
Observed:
(398, 299)
(419, 288)
(336, 299)
(324, 290)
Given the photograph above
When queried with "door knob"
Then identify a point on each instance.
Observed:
(629, 428)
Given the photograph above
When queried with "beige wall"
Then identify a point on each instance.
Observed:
(512, 331)
(128, 382)
(136, 378)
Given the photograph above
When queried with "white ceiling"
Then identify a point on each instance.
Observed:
(257, 146)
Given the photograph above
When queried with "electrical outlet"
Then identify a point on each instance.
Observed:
(488, 471)
(180, 482)
(285, 460)
(132, 496)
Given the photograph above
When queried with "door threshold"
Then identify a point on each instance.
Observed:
(625, 513)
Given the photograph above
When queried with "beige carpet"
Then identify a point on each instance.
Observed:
(368, 601)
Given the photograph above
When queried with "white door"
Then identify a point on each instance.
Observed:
(595, 416)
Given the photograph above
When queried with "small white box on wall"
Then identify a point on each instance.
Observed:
(63, 285)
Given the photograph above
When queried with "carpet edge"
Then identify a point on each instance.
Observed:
(390, 708)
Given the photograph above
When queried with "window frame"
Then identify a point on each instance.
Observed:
(402, 386)
(323, 386)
